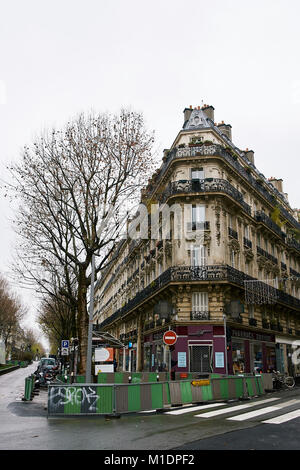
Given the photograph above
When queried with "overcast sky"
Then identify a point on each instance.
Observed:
(59, 58)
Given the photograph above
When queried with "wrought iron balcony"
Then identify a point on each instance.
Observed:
(293, 243)
(252, 322)
(247, 242)
(232, 233)
(206, 185)
(270, 194)
(199, 315)
(262, 252)
(260, 216)
(196, 273)
(191, 226)
(294, 273)
(283, 266)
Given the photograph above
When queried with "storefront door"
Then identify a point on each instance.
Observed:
(200, 358)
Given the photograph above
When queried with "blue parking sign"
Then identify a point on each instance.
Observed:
(65, 343)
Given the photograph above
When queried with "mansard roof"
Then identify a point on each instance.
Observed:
(198, 120)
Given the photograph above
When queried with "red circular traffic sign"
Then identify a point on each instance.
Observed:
(170, 337)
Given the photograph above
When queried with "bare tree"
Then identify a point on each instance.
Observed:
(11, 313)
(68, 184)
(57, 319)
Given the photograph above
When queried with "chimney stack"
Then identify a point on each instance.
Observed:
(187, 113)
(277, 183)
(209, 111)
(250, 155)
(225, 129)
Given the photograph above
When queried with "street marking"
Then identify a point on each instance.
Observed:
(233, 408)
(194, 408)
(283, 418)
(262, 411)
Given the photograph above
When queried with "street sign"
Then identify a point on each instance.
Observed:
(170, 337)
(65, 343)
(64, 351)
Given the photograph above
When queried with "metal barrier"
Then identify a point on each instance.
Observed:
(119, 398)
(132, 377)
(29, 388)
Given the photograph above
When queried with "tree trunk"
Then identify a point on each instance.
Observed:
(83, 322)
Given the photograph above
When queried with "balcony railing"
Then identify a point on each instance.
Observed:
(262, 252)
(196, 273)
(283, 266)
(260, 216)
(198, 226)
(247, 242)
(204, 186)
(293, 243)
(270, 195)
(232, 233)
(199, 315)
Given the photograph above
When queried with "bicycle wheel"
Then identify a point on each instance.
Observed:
(289, 382)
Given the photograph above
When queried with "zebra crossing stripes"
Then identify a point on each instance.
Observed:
(283, 418)
(193, 408)
(231, 409)
(262, 411)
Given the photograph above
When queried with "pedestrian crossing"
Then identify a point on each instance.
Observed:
(244, 412)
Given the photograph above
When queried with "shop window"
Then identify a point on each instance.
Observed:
(147, 358)
(238, 357)
(271, 358)
(257, 358)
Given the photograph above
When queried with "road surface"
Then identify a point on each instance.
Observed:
(237, 425)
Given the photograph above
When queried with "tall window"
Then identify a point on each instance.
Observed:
(197, 174)
(200, 302)
(198, 255)
(198, 217)
(232, 258)
(258, 240)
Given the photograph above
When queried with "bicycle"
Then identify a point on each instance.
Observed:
(282, 380)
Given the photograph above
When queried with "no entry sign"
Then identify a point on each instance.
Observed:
(170, 337)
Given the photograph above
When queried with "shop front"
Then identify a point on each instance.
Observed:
(127, 358)
(251, 352)
(156, 353)
(197, 349)
(285, 352)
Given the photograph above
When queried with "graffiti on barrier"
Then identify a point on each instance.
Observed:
(85, 397)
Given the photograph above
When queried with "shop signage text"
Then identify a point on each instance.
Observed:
(252, 335)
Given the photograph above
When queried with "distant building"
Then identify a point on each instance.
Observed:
(233, 256)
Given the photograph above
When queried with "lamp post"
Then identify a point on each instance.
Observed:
(225, 336)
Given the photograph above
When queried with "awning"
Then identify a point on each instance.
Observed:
(107, 339)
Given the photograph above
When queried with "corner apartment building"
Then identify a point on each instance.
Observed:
(224, 275)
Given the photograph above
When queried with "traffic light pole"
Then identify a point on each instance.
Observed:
(225, 336)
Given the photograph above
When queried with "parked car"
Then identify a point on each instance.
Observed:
(46, 361)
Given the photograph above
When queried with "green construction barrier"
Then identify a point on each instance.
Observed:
(80, 399)
(136, 377)
(133, 398)
(118, 398)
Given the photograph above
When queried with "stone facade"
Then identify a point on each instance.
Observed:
(228, 224)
